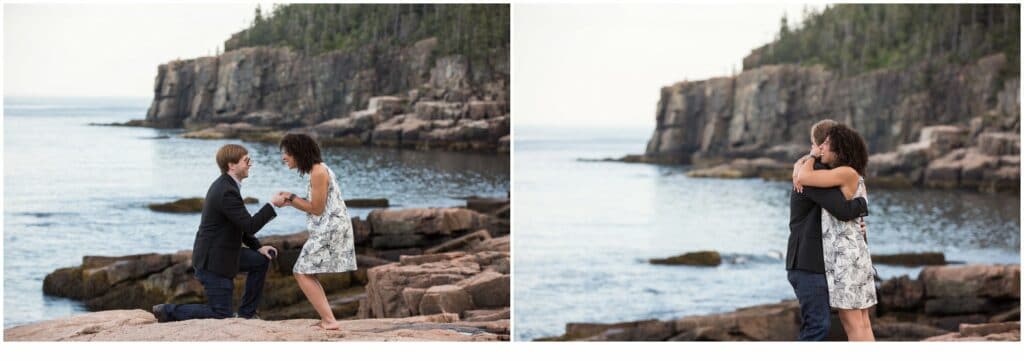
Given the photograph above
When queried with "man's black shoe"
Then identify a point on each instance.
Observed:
(160, 312)
(253, 317)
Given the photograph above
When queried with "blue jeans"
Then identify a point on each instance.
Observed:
(220, 289)
(815, 314)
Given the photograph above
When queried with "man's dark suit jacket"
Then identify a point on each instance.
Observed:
(225, 226)
(804, 251)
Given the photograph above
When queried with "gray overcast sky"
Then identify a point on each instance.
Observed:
(604, 64)
(108, 49)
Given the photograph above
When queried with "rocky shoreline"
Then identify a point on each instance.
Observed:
(419, 262)
(944, 303)
(960, 129)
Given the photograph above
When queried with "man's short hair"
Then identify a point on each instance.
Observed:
(819, 131)
(229, 153)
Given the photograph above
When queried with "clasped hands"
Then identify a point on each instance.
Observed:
(281, 199)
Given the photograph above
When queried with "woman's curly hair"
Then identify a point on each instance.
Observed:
(849, 148)
(304, 149)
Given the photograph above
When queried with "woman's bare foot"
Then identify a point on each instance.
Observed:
(330, 326)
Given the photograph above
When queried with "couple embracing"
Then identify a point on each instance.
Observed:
(827, 259)
(218, 255)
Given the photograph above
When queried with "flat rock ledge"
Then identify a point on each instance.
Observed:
(139, 325)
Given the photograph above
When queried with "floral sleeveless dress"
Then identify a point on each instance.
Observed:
(848, 269)
(331, 244)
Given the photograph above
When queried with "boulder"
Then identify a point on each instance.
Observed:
(901, 293)
(486, 205)
(386, 285)
(488, 289)
(957, 305)
(702, 258)
(426, 221)
(468, 241)
(978, 280)
(445, 299)
(385, 107)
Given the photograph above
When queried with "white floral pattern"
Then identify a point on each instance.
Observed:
(848, 269)
(331, 244)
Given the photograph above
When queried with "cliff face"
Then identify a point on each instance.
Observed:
(768, 111)
(277, 87)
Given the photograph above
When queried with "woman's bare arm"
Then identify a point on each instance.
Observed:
(825, 178)
(318, 192)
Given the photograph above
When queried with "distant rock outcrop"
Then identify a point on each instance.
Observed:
(397, 98)
(933, 124)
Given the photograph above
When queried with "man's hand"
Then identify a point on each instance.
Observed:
(287, 197)
(278, 200)
(796, 173)
(268, 251)
(863, 227)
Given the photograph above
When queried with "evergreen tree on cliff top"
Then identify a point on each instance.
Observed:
(855, 38)
(476, 31)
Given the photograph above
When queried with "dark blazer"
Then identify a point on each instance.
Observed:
(226, 225)
(804, 251)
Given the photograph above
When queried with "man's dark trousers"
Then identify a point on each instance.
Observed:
(815, 313)
(219, 290)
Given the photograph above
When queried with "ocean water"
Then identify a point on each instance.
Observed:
(585, 230)
(71, 189)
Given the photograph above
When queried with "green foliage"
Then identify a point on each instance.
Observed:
(473, 30)
(855, 38)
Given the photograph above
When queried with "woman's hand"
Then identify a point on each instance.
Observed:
(286, 196)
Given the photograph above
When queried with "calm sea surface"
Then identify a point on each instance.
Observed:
(585, 230)
(71, 189)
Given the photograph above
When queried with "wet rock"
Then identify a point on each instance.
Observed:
(702, 258)
(486, 205)
(910, 259)
(765, 168)
(367, 203)
(186, 205)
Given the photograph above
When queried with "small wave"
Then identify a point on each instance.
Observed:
(44, 214)
(749, 258)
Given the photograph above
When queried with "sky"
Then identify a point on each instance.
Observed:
(603, 65)
(108, 49)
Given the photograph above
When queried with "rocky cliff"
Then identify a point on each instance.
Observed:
(767, 112)
(443, 99)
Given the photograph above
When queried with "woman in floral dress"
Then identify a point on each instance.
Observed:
(331, 245)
